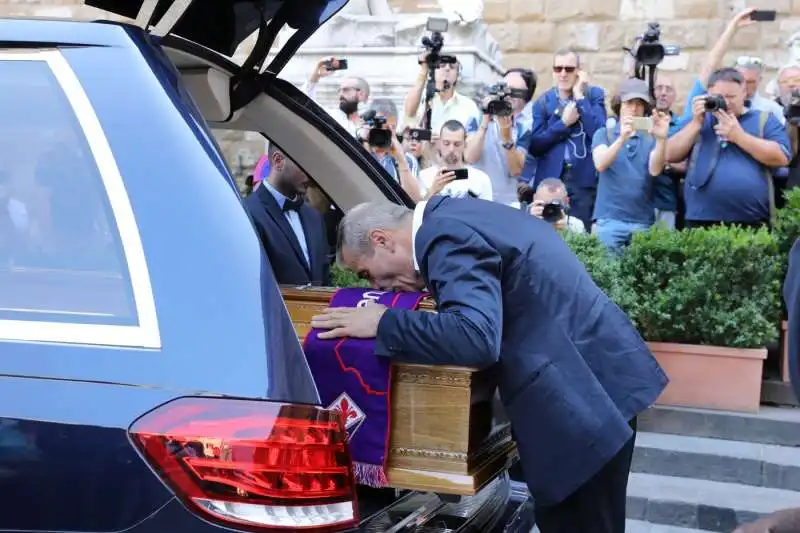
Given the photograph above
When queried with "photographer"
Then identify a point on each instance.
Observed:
(733, 151)
(353, 92)
(377, 135)
(789, 99)
(447, 103)
(442, 179)
(498, 145)
(551, 204)
(629, 157)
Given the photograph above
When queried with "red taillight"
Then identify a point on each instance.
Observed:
(253, 465)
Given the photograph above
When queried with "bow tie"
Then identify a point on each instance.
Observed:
(293, 204)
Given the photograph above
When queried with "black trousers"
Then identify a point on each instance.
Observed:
(598, 506)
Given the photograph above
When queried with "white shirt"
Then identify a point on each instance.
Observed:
(416, 223)
(459, 107)
(760, 103)
(477, 182)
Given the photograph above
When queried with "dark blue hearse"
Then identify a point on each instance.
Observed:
(144, 346)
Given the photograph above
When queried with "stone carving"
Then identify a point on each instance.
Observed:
(373, 8)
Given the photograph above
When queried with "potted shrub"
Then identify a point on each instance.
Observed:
(707, 301)
(602, 266)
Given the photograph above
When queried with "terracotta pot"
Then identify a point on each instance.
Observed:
(711, 377)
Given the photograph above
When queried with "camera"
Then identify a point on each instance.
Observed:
(379, 136)
(552, 211)
(648, 52)
(419, 135)
(499, 104)
(434, 43)
(714, 103)
(792, 108)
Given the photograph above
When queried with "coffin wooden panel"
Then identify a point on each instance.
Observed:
(442, 438)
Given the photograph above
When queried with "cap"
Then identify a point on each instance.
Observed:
(633, 89)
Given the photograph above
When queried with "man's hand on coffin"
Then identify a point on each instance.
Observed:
(357, 322)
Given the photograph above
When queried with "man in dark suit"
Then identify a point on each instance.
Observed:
(787, 520)
(292, 232)
(573, 371)
(565, 119)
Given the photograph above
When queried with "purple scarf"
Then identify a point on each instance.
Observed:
(352, 379)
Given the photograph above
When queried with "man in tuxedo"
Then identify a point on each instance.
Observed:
(573, 372)
(292, 232)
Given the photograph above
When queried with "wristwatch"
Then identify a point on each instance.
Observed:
(509, 145)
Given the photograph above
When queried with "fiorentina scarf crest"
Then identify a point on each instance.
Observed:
(352, 379)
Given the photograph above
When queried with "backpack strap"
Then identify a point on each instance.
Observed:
(762, 121)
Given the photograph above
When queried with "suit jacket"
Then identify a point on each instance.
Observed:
(281, 244)
(550, 134)
(572, 369)
(791, 295)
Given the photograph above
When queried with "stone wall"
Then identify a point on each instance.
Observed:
(530, 30)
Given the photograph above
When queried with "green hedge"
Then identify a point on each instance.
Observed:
(717, 286)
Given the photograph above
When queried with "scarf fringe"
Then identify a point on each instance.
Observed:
(371, 475)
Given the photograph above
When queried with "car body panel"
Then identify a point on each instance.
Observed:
(204, 323)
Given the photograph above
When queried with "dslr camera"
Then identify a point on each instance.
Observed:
(792, 108)
(379, 136)
(499, 104)
(714, 103)
(553, 211)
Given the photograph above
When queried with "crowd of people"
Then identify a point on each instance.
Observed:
(575, 155)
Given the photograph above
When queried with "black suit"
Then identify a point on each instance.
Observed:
(791, 295)
(282, 247)
(573, 370)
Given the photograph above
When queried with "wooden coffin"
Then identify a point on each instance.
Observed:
(442, 439)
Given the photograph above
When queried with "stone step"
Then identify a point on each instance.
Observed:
(771, 425)
(637, 526)
(727, 461)
(701, 504)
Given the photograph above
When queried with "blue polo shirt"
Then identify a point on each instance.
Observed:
(736, 188)
(625, 189)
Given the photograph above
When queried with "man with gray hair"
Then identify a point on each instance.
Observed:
(511, 294)
(752, 69)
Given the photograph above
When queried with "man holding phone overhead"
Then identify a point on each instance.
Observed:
(565, 119)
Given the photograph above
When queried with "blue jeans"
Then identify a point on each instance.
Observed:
(616, 234)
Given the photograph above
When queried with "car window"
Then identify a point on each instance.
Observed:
(62, 259)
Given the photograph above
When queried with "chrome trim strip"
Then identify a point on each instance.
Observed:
(146, 334)
(171, 17)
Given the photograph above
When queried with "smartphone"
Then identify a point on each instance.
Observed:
(419, 135)
(642, 123)
(763, 15)
(342, 64)
(461, 173)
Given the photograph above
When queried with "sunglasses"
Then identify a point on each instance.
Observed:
(561, 68)
(743, 61)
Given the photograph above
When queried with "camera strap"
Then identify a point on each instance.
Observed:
(762, 121)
